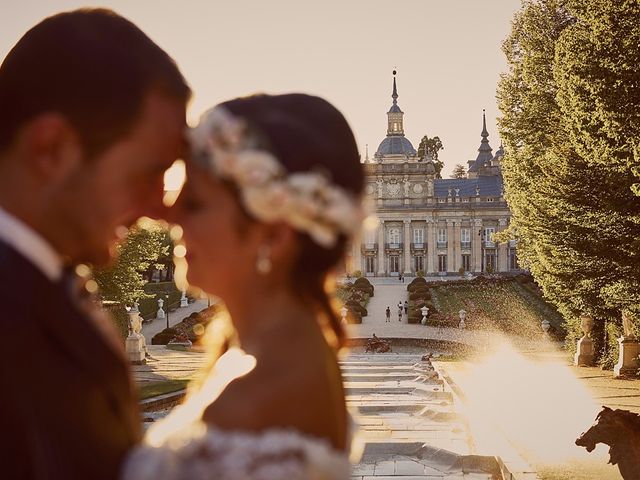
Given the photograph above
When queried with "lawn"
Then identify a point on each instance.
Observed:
(153, 389)
(505, 305)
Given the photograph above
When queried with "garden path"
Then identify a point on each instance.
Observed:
(179, 314)
(389, 293)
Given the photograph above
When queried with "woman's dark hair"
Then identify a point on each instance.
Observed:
(307, 133)
(92, 66)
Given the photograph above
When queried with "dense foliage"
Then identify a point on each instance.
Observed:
(124, 280)
(570, 122)
(432, 145)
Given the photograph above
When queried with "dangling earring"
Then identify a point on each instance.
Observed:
(263, 262)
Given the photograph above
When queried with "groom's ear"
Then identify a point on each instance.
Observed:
(50, 148)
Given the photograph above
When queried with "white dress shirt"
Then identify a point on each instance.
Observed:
(30, 245)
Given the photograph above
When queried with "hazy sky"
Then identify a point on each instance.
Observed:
(447, 54)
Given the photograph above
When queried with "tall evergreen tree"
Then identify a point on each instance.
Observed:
(459, 171)
(570, 125)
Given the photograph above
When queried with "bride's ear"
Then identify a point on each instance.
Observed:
(282, 241)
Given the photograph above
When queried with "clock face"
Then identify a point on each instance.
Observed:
(417, 188)
(393, 189)
(370, 189)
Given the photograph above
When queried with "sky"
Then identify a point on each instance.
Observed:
(447, 54)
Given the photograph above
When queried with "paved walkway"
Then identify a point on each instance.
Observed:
(408, 422)
(168, 365)
(159, 324)
(388, 292)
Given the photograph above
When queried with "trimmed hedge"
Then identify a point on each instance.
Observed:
(192, 326)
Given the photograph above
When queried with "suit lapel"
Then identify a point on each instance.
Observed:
(77, 335)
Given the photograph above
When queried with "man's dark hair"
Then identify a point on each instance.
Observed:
(92, 66)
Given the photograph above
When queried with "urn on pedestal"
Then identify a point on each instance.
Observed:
(584, 356)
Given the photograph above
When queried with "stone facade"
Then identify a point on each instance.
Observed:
(437, 226)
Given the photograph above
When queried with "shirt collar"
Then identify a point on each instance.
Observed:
(30, 245)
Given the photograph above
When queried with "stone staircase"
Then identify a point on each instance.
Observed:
(408, 425)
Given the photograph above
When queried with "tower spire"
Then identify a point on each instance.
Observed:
(485, 150)
(484, 134)
(394, 95)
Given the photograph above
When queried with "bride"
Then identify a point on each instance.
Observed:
(272, 198)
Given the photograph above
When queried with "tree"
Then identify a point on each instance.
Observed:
(432, 146)
(123, 281)
(597, 71)
(459, 171)
(569, 121)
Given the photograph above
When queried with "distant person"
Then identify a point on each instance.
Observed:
(93, 113)
(400, 277)
(400, 312)
(406, 307)
(388, 312)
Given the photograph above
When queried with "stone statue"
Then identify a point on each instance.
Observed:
(620, 430)
(380, 184)
(425, 311)
(584, 356)
(430, 188)
(463, 317)
(586, 323)
(135, 344)
(407, 185)
(627, 324)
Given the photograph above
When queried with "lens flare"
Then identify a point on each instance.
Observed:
(174, 179)
(233, 364)
(539, 405)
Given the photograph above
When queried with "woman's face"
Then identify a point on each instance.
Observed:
(221, 243)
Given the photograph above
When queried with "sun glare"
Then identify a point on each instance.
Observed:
(540, 406)
(174, 179)
(183, 419)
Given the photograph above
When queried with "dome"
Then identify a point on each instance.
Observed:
(395, 145)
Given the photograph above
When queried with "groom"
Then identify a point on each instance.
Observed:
(92, 112)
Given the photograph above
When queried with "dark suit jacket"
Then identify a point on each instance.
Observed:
(67, 405)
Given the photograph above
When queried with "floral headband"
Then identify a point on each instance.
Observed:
(305, 200)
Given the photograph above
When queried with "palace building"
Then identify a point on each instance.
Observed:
(434, 225)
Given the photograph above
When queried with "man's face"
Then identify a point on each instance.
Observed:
(122, 183)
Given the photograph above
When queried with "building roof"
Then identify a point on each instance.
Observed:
(488, 186)
(395, 145)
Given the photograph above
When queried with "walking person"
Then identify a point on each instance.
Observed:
(388, 313)
(406, 308)
(400, 312)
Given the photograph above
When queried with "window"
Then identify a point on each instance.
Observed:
(370, 264)
(394, 264)
(442, 263)
(394, 235)
(442, 235)
(489, 199)
(418, 235)
(513, 260)
(395, 126)
(488, 236)
(465, 237)
(466, 262)
(418, 263)
(490, 262)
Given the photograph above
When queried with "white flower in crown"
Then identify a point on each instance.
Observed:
(305, 200)
(256, 167)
